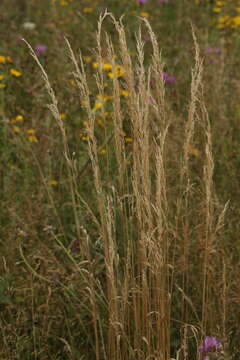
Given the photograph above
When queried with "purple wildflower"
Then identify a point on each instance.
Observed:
(213, 50)
(212, 55)
(141, 1)
(146, 38)
(40, 49)
(168, 78)
(210, 344)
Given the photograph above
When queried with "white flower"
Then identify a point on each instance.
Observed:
(29, 25)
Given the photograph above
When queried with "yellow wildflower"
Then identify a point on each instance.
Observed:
(73, 83)
(124, 93)
(236, 21)
(87, 59)
(107, 98)
(224, 19)
(18, 118)
(107, 67)
(103, 151)
(95, 65)
(16, 129)
(144, 14)
(30, 132)
(117, 72)
(2, 86)
(217, 10)
(99, 97)
(221, 26)
(62, 116)
(104, 98)
(84, 137)
(193, 151)
(220, 3)
(224, 22)
(63, 3)
(15, 73)
(53, 183)
(32, 139)
(129, 140)
(88, 10)
(98, 105)
(111, 75)
(1, 77)
(3, 59)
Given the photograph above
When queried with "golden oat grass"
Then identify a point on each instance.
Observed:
(144, 223)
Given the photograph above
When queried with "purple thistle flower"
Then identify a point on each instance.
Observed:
(141, 1)
(168, 78)
(146, 38)
(40, 49)
(210, 344)
(213, 50)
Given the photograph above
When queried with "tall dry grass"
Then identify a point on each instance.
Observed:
(157, 218)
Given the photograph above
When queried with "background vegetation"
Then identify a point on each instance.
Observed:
(119, 176)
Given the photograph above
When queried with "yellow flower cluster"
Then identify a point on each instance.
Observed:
(32, 136)
(218, 6)
(116, 71)
(88, 10)
(194, 151)
(144, 14)
(225, 20)
(5, 59)
(31, 133)
(15, 121)
(84, 137)
(2, 85)
(101, 99)
(102, 106)
(15, 73)
(52, 182)
(228, 22)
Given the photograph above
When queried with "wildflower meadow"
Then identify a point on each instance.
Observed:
(119, 171)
